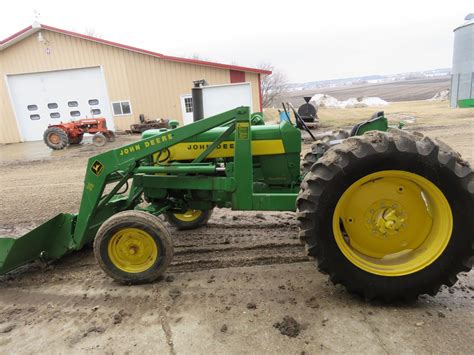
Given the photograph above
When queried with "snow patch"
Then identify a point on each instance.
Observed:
(324, 100)
(374, 101)
(442, 95)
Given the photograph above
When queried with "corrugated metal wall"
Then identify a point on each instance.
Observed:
(462, 79)
(153, 85)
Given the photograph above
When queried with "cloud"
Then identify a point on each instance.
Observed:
(308, 40)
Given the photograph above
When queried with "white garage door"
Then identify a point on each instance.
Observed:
(40, 99)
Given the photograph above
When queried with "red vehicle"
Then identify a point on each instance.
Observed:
(59, 136)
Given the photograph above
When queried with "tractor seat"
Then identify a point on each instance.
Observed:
(373, 118)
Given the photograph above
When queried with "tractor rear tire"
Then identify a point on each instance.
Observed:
(389, 215)
(99, 139)
(311, 157)
(191, 219)
(55, 138)
(320, 146)
(133, 247)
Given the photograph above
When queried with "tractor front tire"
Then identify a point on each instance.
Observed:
(133, 247)
(99, 139)
(55, 138)
(191, 219)
(389, 215)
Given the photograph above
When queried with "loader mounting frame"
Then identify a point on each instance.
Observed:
(114, 168)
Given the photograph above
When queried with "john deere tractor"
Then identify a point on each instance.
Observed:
(386, 213)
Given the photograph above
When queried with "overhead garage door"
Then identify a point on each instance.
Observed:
(40, 99)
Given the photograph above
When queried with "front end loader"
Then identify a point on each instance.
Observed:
(386, 213)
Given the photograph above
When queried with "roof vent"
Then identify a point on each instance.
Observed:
(469, 17)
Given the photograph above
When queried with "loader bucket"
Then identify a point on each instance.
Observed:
(49, 241)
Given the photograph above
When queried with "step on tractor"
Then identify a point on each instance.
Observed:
(59, 136)
(386, 213)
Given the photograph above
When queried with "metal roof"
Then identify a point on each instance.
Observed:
(469, 21)
(36, 27)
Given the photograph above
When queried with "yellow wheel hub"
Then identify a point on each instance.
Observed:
(392, 223)
(132, 250)
(189, 216)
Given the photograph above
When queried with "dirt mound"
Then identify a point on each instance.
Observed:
(289, 327)
(442, 95)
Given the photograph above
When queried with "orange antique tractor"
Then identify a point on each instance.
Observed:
(59, 136)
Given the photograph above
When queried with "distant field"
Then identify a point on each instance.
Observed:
(435, 118)
(408, 90)
(425, 113)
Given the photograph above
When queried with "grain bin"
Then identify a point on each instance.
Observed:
(462, 80)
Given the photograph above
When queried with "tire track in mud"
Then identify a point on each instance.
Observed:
(231, 239)
(241, 240)
(76, 295)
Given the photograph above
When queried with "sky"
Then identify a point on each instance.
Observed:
(305, 40)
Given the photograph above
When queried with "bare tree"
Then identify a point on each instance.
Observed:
(92, 32)
(195, 56)
(37, 15)
(273, 85)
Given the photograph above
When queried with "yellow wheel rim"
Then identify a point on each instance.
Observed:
(392, 223)
(188, 216)
(132, 250)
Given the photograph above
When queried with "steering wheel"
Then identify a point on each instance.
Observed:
(299, 121)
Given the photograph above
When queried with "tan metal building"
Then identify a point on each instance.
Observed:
(50, 75)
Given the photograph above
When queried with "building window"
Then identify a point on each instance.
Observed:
(34, 117)
(52, 105)
(75, 113)
(121, 108)
(32, 107)
(54, 115)
(72, 104)
(95, 111)
(93, 102)
(188, 104)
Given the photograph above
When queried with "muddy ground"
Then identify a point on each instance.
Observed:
(240, 285)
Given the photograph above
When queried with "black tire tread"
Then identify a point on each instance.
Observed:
(99, 139)
(63, 135)
(134, 217)
(322, 142)
(348, 152)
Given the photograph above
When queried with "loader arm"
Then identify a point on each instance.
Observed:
(65, 232)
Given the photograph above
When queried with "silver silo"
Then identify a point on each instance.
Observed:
(462, 80)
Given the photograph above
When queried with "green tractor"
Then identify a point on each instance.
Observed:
(386, 213)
